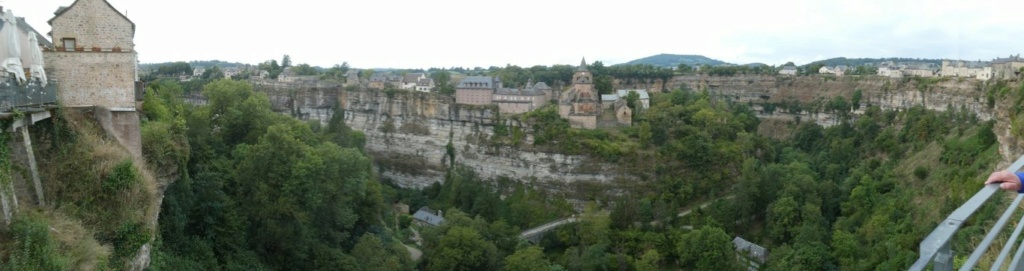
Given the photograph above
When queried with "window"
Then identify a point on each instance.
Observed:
(69, 44)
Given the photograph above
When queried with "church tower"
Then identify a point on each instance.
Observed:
(583, 81)
(581, 105)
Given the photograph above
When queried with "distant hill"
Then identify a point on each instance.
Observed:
(194, 64)
(873, 61)
(672, 61)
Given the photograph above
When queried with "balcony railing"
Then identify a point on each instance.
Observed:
(935, 249)
(26, 96)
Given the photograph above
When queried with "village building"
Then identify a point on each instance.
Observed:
(477, 90)
(198, 71)
(287, 76)
(921, 70)
(970, 69)
(95, 59)
(788, 70)
(543, 87)
(417, 82)
(96, 65)
(424, 85)
(890, 71)
(428, 217)
(516, 101)
(838, 70)
(1007, 68)
(230, 72)
(384, 80)
(580, 105)
(643, 100)
(750, 254)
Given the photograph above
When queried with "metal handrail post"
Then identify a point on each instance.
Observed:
(992, 234)
(1005, 252)
(937, 242)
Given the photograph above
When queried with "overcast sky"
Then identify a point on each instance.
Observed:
(468, 33)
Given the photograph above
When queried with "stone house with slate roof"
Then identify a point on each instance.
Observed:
(1007, 68)
(477, 90)
(95, 64)
(95, 59)
(428, 217)
(516, 101)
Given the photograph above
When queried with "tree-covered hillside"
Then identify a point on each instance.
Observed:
(854, 62)
(672, 61)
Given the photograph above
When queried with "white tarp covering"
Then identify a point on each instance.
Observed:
(11, 55)
(36, 61)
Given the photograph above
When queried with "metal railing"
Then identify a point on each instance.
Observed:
(935, 249)
(26, 95)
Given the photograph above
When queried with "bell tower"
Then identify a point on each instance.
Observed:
(583, 81)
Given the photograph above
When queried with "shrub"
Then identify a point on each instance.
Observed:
(34, 248)
(126, 240)
(920, 172)
(122, 177)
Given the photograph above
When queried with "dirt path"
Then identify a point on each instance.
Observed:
(705, 205)
(414, 253)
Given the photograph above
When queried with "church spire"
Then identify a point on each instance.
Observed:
(583, 65)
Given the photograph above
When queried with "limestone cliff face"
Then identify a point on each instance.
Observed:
(887, 93)
(407, 133)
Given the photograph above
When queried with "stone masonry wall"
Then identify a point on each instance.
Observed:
(93, 23)
(104, 79)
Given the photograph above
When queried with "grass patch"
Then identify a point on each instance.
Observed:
(97, 184)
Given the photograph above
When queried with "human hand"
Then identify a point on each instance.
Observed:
(1006, 180)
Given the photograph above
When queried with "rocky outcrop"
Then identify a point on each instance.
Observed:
(886, 93)
(408, 134)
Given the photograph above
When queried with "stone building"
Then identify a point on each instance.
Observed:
(971, 69)
(477, 90)
(94, 58)
(788, 70)
(95, 64)
(417, 81)
(581, 104)
(384, 80)
(890, 71)
(484, 90)
(921, 70)
(424, 85)
(516, 101)
(1007, 68)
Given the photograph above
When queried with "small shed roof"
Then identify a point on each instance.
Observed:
(428, 218)
(642, 92)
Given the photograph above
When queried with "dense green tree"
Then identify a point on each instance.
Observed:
(213, 73)
(286, 61)
(707, 248)
(463, 249)
(650, 261)
(305, 70)
(174, 69)
(373, 256)
(530, 258)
